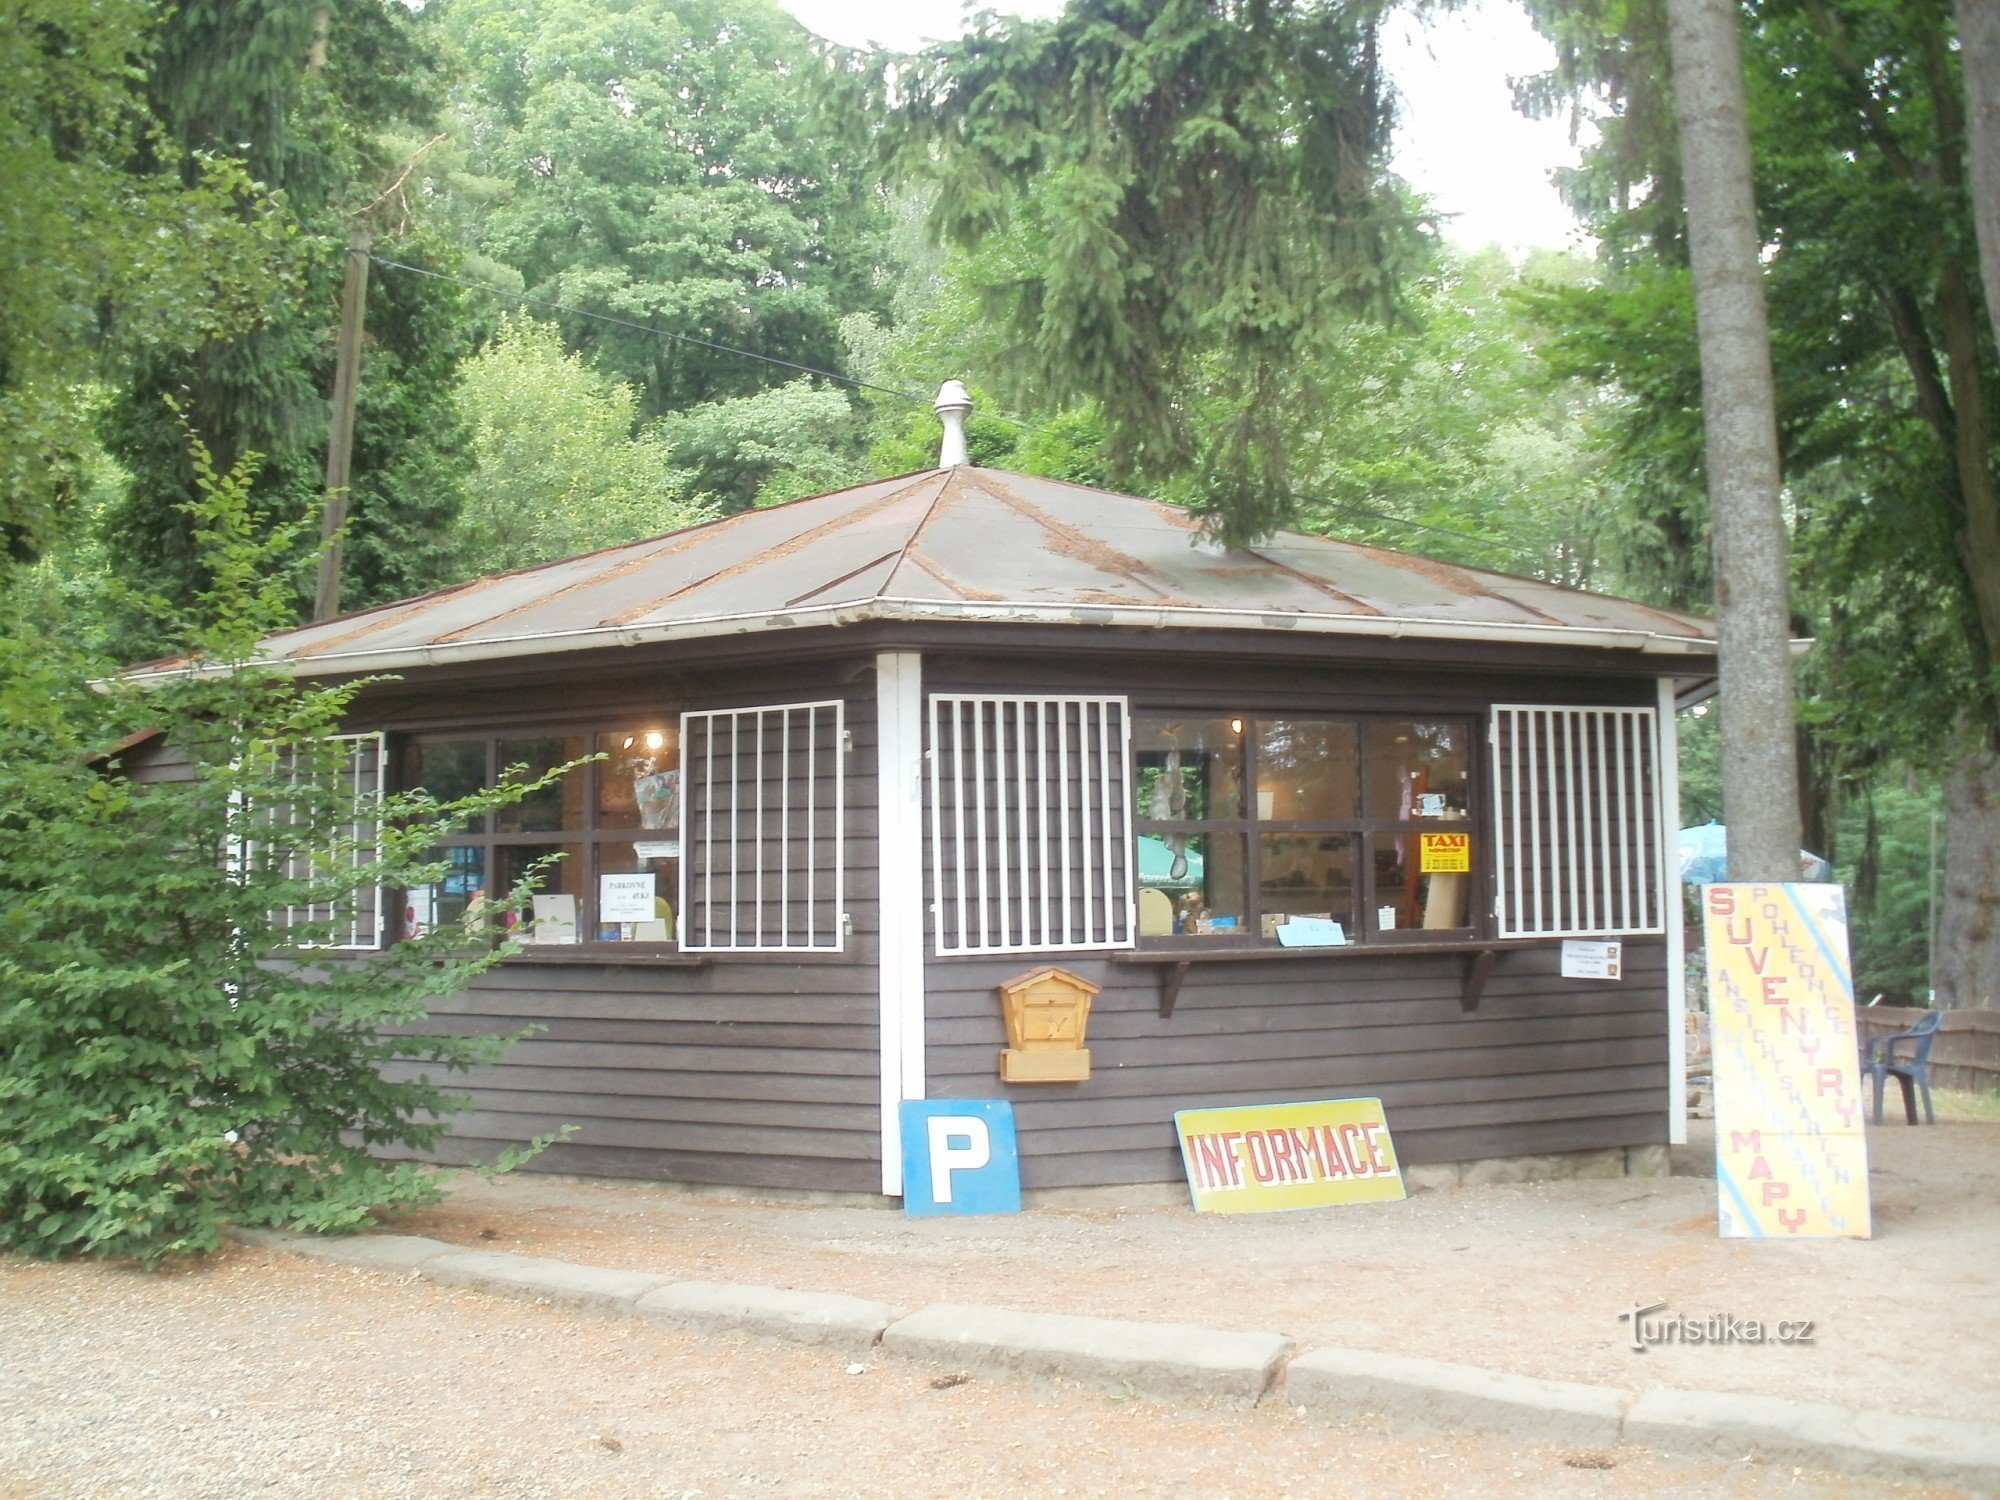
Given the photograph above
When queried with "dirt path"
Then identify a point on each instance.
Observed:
(1528, 1278)
(272, 1376)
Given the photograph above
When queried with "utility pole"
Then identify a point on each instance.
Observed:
(340, 431)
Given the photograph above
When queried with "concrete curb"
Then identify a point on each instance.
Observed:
(1181, 1362)
(1172, 1360)
(590, 1289)
(1431, 1393)
(1875, 1444)
(823, 1320)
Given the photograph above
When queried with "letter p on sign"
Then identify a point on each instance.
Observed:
(959, 1157)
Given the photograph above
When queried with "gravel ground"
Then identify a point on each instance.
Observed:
(259, 1374)
(1528, 1278)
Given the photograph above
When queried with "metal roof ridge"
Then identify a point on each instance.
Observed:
(912, 553)
(1076, 541)
(801, 539)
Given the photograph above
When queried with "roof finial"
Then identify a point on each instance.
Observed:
(953, 406)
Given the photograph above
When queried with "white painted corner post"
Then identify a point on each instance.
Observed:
(899, 735)
(1670, 899)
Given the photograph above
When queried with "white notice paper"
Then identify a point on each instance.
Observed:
(1582, 960)
(1311, 932)
(626, 898)
(555, 920)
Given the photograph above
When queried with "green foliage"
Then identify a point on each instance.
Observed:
(112, 244)
(1170, 195)
(1871, 279)
(1630, 336)
(175, 1058)
(557, 469)
(1891, 843)
(1885, 376)
(665, 162)
(308, 94)
(777, 445)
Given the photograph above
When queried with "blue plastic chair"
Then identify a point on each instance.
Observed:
(1912, 1074)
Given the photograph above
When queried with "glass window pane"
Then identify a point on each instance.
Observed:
(461, 889)
(1407, 898)
(557, 913)
(629, 882)
(1188, 770)
(1191, 884)
(556, 806)
(447, 769)
(639, 780)
(1418, 770)
(1307, 875)
(1308, 771)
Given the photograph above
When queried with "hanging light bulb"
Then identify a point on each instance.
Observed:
(655, 739)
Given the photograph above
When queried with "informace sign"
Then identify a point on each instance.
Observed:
(1790, 1157)
(1262, 1157)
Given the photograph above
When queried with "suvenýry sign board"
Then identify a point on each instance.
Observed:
(1258, 1158)
(1791, 1155)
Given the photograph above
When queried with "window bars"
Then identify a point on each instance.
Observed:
(356, 922)
(1578, 849)
(1030, 823)
(763, 829)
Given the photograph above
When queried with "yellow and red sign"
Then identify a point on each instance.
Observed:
(1261, 1157)
(1444, 853)
(1791, 1161)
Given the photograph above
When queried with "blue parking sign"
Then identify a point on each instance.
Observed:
(959, 1157)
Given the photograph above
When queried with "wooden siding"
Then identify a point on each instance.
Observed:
(763, 1070)
(1545, 1064)
(153, 762)
(753, 1070)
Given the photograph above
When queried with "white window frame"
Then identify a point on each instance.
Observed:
(357, 760)
(1621, 886)
(1102, 909)
(834, 940)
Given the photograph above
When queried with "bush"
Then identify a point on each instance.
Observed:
(176, 1059)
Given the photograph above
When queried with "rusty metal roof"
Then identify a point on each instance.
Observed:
(972, 544)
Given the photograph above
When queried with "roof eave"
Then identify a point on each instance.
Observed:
(1127, 616)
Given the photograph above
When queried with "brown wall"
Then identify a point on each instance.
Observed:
(1545, 1064)
(751, 1069)
(763, 1070)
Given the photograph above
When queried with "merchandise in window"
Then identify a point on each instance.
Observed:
(610, 829)
(1342, 830)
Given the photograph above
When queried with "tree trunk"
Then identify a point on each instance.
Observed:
(1760, 783)
(1967, 970)
(1979, 58)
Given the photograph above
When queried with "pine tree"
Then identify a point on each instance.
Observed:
(303, 91)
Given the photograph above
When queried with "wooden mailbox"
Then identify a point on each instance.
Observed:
(1047, 1012)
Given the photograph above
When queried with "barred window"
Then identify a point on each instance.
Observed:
(1031, 823)
(764, 825)
(1577, 821)
(286, 836)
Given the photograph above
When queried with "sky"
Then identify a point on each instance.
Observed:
(1460, 140)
